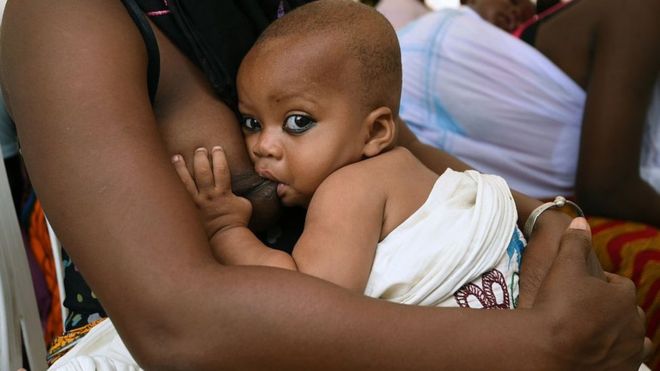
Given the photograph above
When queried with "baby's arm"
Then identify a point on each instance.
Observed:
(224, 214)
(342, 227)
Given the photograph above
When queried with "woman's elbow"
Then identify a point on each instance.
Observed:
(185, 350)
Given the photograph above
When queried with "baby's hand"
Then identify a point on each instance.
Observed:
(211, 191)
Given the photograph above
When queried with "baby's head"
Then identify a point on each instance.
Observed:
(349, 38)
(319, 90)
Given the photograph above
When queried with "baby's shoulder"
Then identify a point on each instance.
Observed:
(384, 174)
(374, 169)
(393, 160)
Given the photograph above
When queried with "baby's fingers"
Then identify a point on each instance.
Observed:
(184, 174)
(221, 173)
(202, 170)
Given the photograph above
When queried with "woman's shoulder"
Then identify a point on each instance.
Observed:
(71, 38)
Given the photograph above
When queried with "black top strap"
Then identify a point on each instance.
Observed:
(215, 34)
(153, 54)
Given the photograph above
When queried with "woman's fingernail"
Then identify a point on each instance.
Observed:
(176, 158)
(216, 148)
(579, 223)
(200, 149)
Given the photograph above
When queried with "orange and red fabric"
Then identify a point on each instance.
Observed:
(633, 250)
(39, 243)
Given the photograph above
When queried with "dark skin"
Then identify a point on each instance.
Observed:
(610, 48)
(98, 155)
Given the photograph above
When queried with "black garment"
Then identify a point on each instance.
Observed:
(215, 35)
(18, 183)
(543, 5)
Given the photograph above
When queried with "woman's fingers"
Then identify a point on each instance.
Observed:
(648, 345)
(648, 349)
(591, 322)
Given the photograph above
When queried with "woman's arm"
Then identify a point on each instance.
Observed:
(626, 65)
(73, 73)
(617, 61)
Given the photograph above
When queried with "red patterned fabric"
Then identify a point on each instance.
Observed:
(633, 250)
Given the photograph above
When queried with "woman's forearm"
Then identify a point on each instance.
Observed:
(257, 317)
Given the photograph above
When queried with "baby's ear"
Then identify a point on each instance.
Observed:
(381, 131)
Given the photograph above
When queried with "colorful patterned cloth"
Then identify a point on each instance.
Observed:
(62, 344)
(633, 250)
(39, 243)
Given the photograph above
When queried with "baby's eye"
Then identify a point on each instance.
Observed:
(250, 124)
(297, 124)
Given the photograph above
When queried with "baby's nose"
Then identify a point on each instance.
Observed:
(267, 144)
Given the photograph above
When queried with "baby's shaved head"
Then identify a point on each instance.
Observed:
(362, 33)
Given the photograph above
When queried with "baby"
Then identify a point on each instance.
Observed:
(319, 98)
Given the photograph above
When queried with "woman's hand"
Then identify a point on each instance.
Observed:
(210, 188)
(610, 337)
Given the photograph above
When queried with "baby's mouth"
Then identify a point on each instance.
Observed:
(281, 189)
(266, 189)
(262, 193)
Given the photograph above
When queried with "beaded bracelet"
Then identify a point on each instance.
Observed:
(558, 203)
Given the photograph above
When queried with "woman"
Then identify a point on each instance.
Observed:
(96, 144)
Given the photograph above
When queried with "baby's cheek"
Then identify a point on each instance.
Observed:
(249, 144)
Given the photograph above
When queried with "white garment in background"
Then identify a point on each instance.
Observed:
(401, 12)
(650, 158)
(498, 104)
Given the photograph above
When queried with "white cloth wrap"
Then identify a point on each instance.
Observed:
(100, 350)
(460, 232)
(500, 105)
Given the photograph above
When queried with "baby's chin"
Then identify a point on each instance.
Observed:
(296, 203)
(291, 198)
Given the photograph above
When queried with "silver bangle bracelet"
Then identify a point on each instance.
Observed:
(558, 203)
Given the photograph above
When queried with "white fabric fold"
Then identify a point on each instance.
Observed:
(462, 231)
(100, 350)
